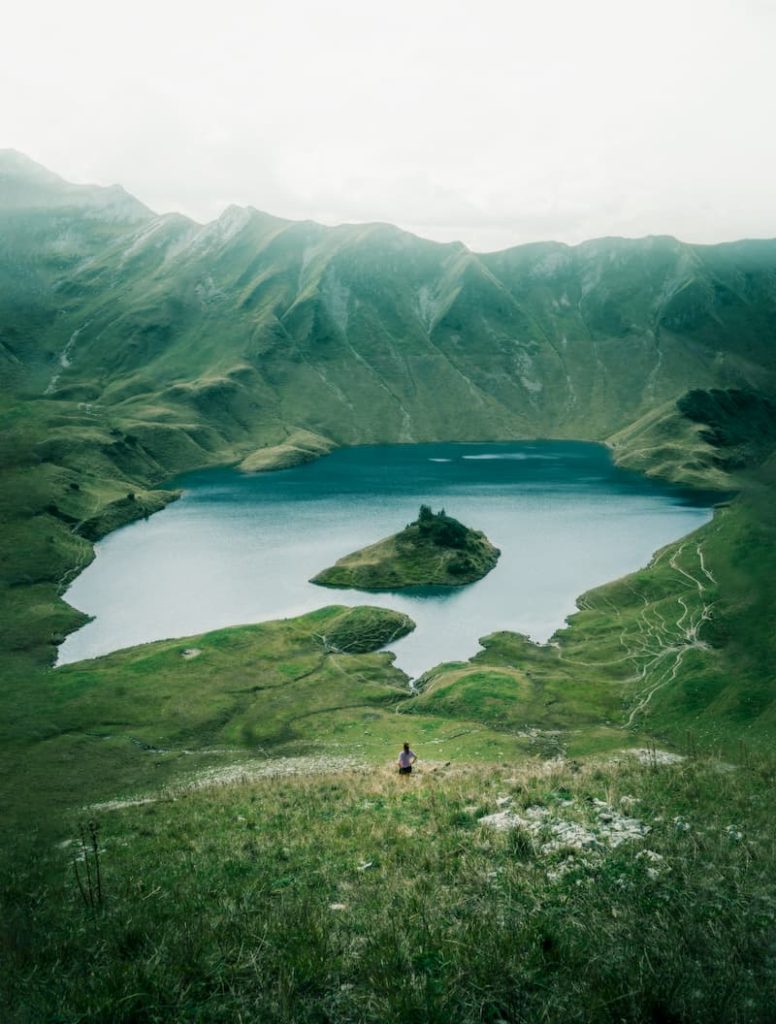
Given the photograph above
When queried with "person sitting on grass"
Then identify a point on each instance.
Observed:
(406, 760)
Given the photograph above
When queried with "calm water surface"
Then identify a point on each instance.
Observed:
(239, 549)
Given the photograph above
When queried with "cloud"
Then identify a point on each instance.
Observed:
(497, 122)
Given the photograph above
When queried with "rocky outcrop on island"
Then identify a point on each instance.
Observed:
(435, 550)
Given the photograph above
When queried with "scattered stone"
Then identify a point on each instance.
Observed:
(650, 855)
(118, 805)
(570, 835)
(502, 820)
(651, 757)
(610, 829)
(191, 652)
(248, 771)
(619, 828)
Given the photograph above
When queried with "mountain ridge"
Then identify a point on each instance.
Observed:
(11, 158)
(133, 351)
(518, 339)
(548, 859)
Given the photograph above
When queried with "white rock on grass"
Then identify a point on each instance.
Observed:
(609, 829)
(248, 771)
(502, 820)
(650, 855)
(119, 805)
(617, 828)
(654, 757)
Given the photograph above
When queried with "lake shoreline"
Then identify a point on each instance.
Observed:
(187, 582)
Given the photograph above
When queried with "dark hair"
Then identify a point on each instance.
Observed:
(406, 746)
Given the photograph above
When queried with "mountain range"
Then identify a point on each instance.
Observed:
(134, 346)
(361, 332)
(235, 843)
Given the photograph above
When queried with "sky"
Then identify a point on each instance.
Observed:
(492, 122)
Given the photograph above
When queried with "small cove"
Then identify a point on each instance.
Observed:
(238, 549)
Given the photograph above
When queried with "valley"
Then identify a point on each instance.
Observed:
(135, 348)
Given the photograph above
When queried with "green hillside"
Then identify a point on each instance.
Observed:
(240, 778)
(138, 346)
(135, 346)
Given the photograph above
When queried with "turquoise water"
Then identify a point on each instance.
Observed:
(238, 549)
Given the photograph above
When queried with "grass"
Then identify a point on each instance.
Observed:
(435, 550)
(362, 896)
(143, 716)
(254, 900)
(676, 650)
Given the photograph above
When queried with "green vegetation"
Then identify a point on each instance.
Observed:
(148, 716)
(676, 650)
(135, 347)
(301, 447)
(622, 892)
(435, 550)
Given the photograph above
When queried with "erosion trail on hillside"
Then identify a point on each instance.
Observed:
(659, 639)
(660, 642)
(252, 856)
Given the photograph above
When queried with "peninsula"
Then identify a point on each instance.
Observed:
(435, 550)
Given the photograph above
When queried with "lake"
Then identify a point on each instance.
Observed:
(239, 548)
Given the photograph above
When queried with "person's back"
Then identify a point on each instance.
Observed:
(406, 760)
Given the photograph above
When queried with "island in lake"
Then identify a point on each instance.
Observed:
(435, 550)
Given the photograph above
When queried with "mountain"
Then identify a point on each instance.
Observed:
(26, 185)
(239, 779)
(48, 228)
(259, 324)
(134, 346)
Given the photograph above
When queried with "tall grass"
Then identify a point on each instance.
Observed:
(369, 897)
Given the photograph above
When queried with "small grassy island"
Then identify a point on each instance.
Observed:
(435, 550)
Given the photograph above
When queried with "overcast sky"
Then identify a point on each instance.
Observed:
(489, 121)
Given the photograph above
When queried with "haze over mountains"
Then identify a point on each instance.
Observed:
(361, 332)
(134, 347)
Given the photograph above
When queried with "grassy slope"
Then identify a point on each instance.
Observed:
(348, 896)
(249, 330)
(146, 716)
(135, 347)
(677, 650)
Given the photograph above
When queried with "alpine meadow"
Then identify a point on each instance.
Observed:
(211, 828)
